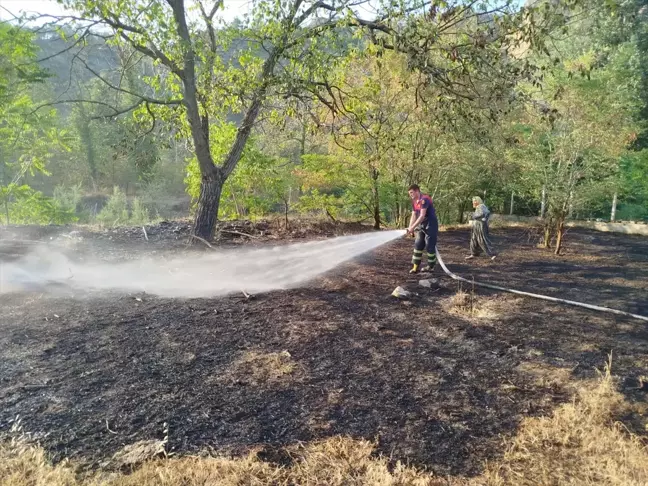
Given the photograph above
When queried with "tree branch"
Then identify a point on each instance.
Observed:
(122, 90)
(154, 53)
(309, 11)
(92, 102)
(121, 111)
(154, 120)
(63, 51)
(208, 18)
(199, 133)
(250, 116)
(121, 29)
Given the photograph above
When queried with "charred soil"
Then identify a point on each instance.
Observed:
(435, 387)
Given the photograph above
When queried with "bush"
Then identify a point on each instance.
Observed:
(632, 212)
(24, 205)
(139, 213)
(115, 212)
(162, 198)
(316, 202)
(67, 199)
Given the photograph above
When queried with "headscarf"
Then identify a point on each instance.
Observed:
(477, 199)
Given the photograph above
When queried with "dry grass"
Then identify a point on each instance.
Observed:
(257, 368)
(451, 227)
(501, 223)
(472, 306)
(22, 464)
(459, 303)
(580, 444)
(334, 462)
(545, 375)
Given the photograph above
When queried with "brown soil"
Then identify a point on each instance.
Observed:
(435, 387)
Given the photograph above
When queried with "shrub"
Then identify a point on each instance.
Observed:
(139, 213)
(115, 212)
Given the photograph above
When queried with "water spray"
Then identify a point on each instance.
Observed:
(217, 273)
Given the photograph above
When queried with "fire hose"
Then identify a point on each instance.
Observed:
(537, 296)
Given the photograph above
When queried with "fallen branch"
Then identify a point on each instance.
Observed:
(328, 213)
(238, 233)
(247, 296)
(203, 241)
(145, 235)
(108, 428)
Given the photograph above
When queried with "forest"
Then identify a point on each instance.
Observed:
(125, 112)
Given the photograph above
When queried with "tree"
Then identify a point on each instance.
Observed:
(257, 186)
(28, 137)
(570, 150)
(377, 104)
(204, 78)
(577, 139)
(620, 38)
(218, 72)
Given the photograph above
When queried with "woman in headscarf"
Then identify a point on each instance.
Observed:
(479, 238)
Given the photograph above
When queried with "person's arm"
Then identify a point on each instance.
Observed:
(421, 217)
(412, 219)
(485, 212)
(478, 215)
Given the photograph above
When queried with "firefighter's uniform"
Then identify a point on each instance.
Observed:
(426, 234)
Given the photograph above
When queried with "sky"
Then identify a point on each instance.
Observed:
(16, 7)
(51, 7)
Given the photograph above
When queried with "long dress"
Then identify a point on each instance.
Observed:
(479, 237)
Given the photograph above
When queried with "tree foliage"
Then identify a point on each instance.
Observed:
(320, 109)
(28, 137)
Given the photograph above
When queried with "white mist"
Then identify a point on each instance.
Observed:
(207, 275)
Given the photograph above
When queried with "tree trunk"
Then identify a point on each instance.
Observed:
(559, 236)
(614, 208)
(4, 181)
(207, 210)
(286, 213)
(512, 202)
(376, 198)
(543, 203)
(376, 213)
(239, 211)
(214, 177)
(547, 237)
(462, 208)
(85, 134)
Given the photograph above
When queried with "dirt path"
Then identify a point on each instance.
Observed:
(433, 385)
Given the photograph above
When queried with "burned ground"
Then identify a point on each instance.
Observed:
(435, 388)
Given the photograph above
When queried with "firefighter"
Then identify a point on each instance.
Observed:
(425, 227)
